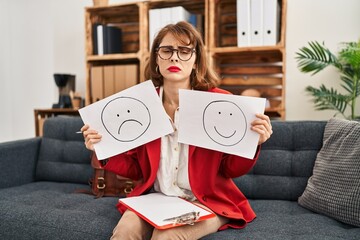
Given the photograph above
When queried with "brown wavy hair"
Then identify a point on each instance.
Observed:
(201, 78)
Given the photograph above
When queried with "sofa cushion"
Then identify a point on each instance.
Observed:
(63, 156)
(279, 219)
(334, 187)
(50, 210)
(286, 161)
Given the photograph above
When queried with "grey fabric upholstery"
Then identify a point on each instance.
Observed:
(42, 202)
(285, 163)
(18, 162)
(284, 220)
(62, 154)
(51, 210)
(334, 187)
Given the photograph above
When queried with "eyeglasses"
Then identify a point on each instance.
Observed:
(183, 53)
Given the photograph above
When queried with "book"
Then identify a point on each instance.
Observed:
(243, 22)
(165, 212)
(160, 17)
(106, 39)
(271, 22)
(94, 38)
(112, 39)
(100, 39)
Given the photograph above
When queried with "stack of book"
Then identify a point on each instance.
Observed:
(107, 39)
(160, 17)
(258, 22)
(110, 79)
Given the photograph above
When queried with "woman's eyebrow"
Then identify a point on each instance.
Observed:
(170, 46)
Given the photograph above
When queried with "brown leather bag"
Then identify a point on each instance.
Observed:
(105, 183)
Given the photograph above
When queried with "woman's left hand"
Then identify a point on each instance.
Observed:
(262, 126)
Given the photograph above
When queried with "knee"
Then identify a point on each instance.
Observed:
(159, 235)
(120, 233)
(167, 235)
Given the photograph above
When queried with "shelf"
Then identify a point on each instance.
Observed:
(235, 50)
(112, 57)
(240, 68)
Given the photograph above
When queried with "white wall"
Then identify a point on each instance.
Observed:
(39, 38)
(42, 38)
(27, 64)
(326, 21)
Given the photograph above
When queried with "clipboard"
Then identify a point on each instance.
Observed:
(159, 209)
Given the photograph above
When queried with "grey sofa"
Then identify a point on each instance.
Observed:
(40, 177)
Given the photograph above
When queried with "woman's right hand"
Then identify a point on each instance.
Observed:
(91, 137)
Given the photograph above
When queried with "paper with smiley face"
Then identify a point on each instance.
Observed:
(127, 119)
(219, 121)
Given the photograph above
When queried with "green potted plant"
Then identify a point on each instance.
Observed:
(316, 57)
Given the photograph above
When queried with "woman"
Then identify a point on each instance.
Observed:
(178, 61)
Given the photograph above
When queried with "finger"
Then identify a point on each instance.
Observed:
(260, 129)
(90, 143)
(263, 123)
(263, 132)
(264, 117)
(84, 128)
(94, 137)
(90, 132)
(263, 120)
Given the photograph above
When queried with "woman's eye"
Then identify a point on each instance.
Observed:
(185, 50)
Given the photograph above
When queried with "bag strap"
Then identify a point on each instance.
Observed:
(100, 183)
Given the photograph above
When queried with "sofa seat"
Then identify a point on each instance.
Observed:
(40, 177)
(53, 210)
(281, 219)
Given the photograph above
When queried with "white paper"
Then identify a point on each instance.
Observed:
(219, 121)
(127, 119)
(156, 207)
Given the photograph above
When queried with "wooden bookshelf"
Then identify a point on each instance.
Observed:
(260, 67)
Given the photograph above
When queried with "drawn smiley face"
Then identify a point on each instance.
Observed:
(224, 122)
(125, 118)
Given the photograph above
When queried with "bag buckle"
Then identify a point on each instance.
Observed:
(101, 183)
(129, 187)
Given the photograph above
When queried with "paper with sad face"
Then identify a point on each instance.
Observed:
(219, 121)
(127, 119)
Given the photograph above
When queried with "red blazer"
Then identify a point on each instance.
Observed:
(210, 176)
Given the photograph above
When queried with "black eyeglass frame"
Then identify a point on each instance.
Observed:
(192, 50)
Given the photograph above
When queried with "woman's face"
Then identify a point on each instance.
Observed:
(178, 67)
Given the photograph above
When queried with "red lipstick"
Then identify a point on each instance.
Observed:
(173, 69)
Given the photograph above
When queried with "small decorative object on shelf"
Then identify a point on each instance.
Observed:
(98, 3)
(66, 84)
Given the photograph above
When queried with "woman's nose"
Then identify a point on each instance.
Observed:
(174, 57)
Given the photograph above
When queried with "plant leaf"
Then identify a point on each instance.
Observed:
(315, 58)
(328, 99)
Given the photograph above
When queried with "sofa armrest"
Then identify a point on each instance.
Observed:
(18, 161)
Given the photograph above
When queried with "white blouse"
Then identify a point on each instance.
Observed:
(172, 177)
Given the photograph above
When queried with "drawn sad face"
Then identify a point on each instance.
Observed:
(224, 122)
(125, 118)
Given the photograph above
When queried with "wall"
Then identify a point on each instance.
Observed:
(325, 21)
(26, 65)
(44, 37)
